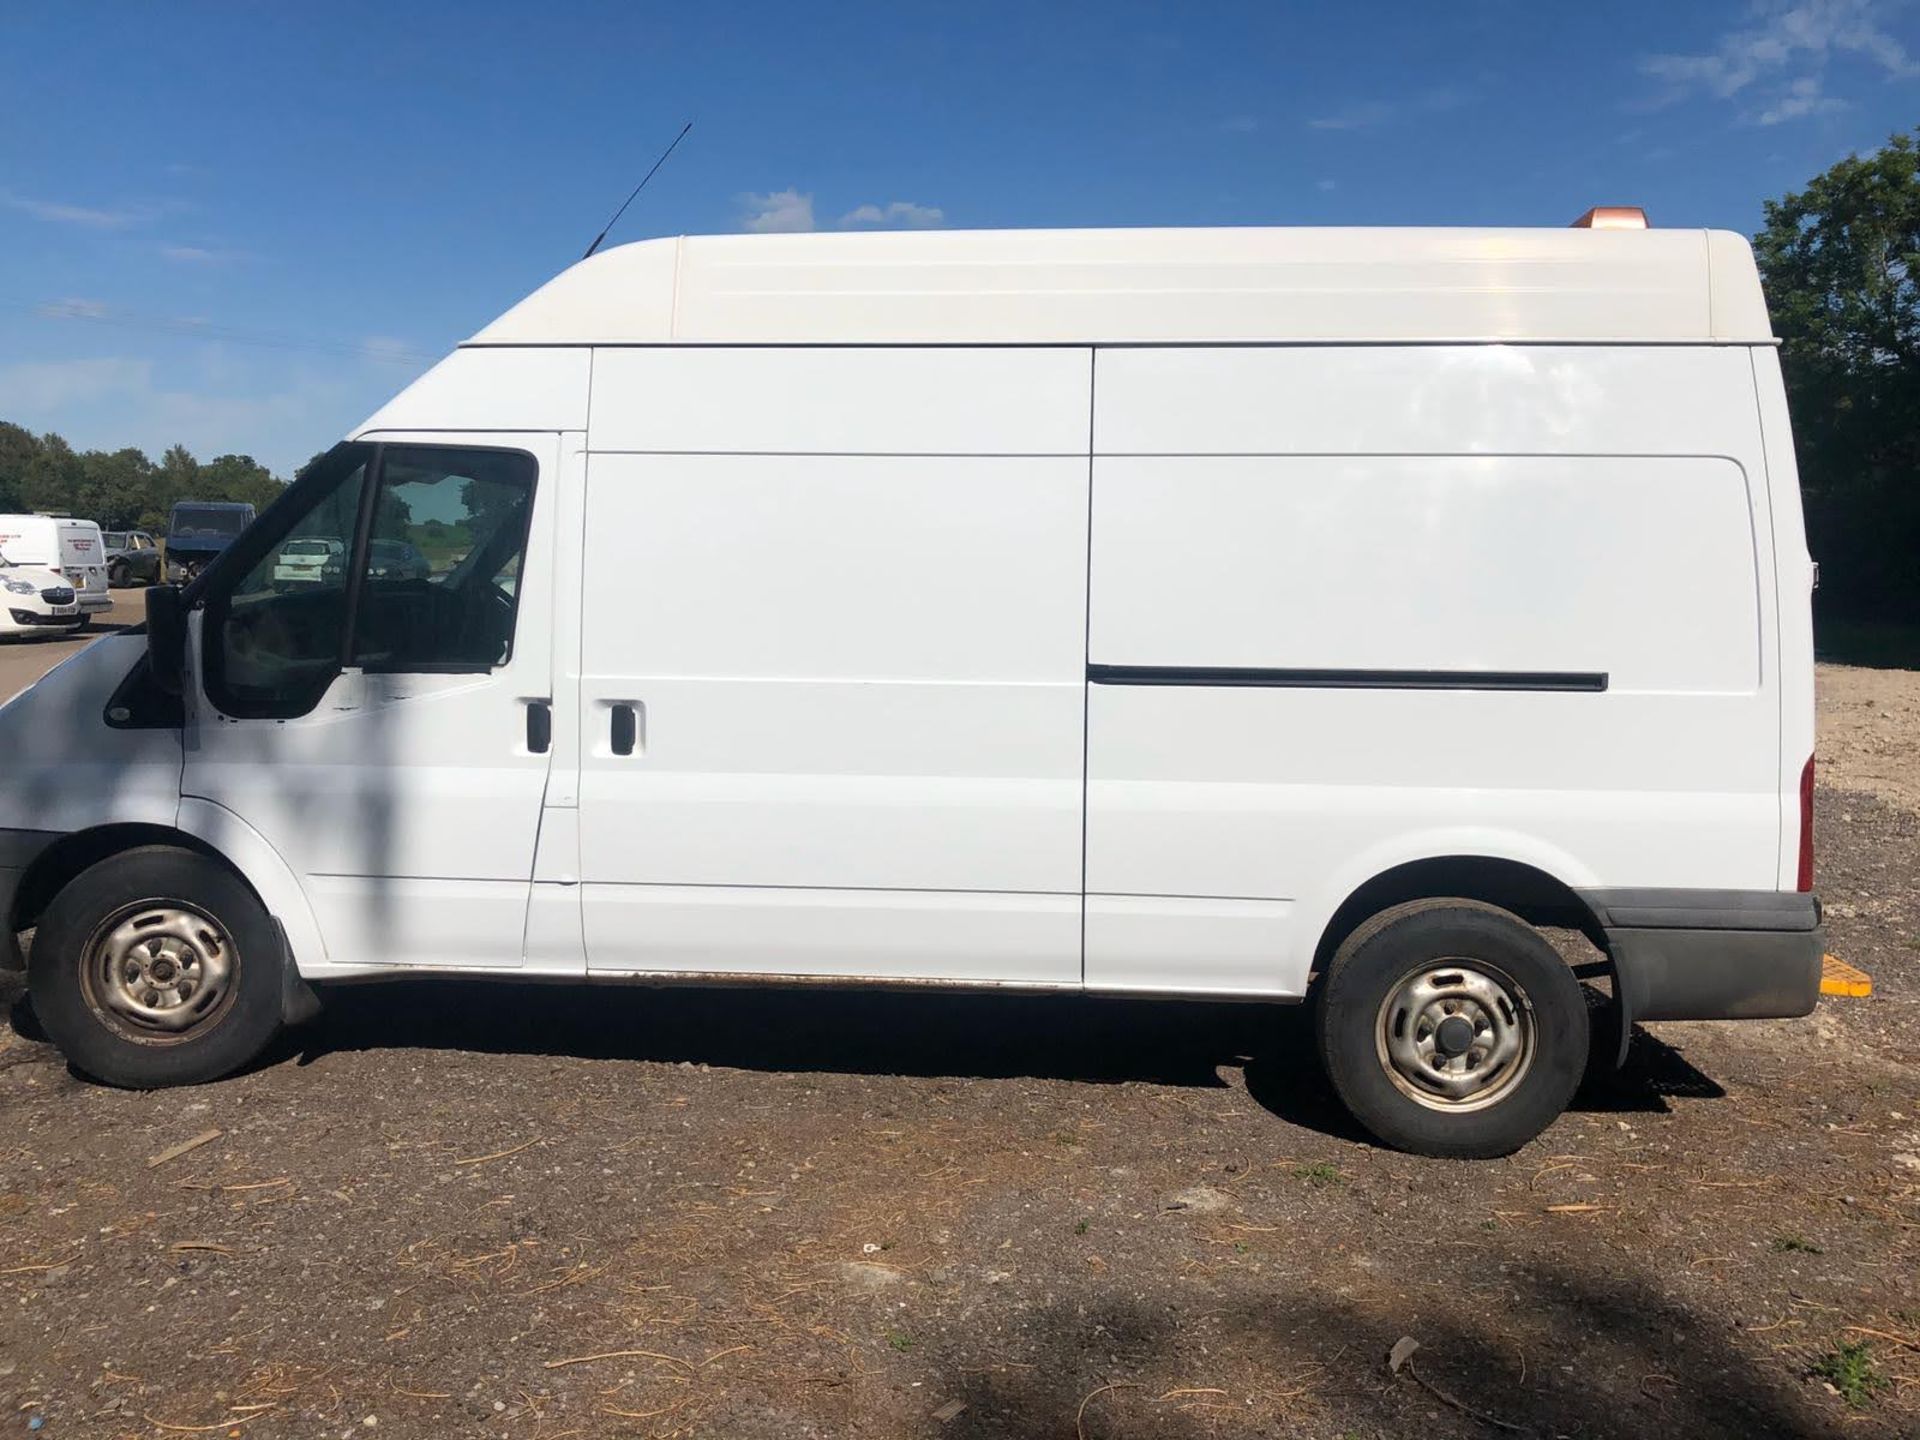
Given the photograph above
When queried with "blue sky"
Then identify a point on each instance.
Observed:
(242, 226)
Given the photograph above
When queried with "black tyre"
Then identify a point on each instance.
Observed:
(1452, 1028)
(117, 573)
(157, 967)
(83, 622)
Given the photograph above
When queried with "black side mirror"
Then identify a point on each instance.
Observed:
(166, 637)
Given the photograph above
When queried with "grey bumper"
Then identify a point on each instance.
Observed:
(18, 850)
(1711, 954)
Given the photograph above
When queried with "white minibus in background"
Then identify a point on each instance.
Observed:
(71, 549)
(1269, 614)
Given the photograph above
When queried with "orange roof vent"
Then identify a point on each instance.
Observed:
(1612, 217)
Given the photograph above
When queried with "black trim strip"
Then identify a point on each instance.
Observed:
(1585, 682)
(1642, 909)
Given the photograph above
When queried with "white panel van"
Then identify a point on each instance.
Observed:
(1266, 614)
(74, 550)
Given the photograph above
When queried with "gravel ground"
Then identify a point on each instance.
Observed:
(535, 1213)
(1869, 732)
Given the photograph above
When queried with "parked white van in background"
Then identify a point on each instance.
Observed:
(71, 549)
(1267, 614)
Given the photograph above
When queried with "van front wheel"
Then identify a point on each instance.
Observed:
(157, 967)
(1452, 1028)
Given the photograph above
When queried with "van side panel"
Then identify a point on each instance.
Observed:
(927, 400)
(1640, 569)
(1796, 573)
(842, 595)
(1288, 544)
(534, 388)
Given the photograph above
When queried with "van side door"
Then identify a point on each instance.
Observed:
(378, 720)
(833, 662)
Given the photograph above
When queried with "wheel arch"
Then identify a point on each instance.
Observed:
(203, 828)
(74, 851)
(1536, 896)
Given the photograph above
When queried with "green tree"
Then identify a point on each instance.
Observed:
(51, 478)
(121, 488)
(238, 477)
(177, 477)
(18, 448)
(1839, 261)
(111, 489)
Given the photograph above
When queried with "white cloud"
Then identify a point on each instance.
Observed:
(1791, 44)
(199, 255)
(896, 212)
(381, 349)
(389, 350)
(37, 386)
(1803, 98)
(1368, 114)
(279, 411)
(214, 390)
(76, 309)
(1326, 184)
(1240, 124)
(780, 210)
(1354, 117)
(60, 213)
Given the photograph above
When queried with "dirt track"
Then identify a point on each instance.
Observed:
(1869, 737)
(534, 1212)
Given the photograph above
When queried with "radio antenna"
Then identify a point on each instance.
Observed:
(636, 190)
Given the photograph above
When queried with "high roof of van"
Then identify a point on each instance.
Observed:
(1154, 286)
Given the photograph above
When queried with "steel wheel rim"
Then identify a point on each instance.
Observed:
(1456, 1035)
(160, 972)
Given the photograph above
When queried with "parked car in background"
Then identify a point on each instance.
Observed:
(386, 560)
(303, 562)
(71, 549)
(34, 600)
(133, 557)
(198, 530)
(396, 560)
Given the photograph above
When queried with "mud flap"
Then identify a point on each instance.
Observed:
(298, 1001)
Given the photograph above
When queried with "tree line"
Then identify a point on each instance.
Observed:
(122, 489)
(1841, 263)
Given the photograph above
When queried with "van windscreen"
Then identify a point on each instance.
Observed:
(191, 520)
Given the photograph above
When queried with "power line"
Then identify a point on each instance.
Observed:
(190, 328)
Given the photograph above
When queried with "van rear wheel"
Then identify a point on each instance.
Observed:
(157, 967)
(1452, 1028)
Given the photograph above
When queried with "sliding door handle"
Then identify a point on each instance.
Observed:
(539, 726)
(625, 728)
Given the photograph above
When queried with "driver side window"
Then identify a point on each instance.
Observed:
(273, 636)
(446, 525)
(433, 588)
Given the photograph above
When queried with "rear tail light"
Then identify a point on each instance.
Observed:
(1805, 880)
(56, 570)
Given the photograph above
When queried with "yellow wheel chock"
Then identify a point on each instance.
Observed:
(1837, 977)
